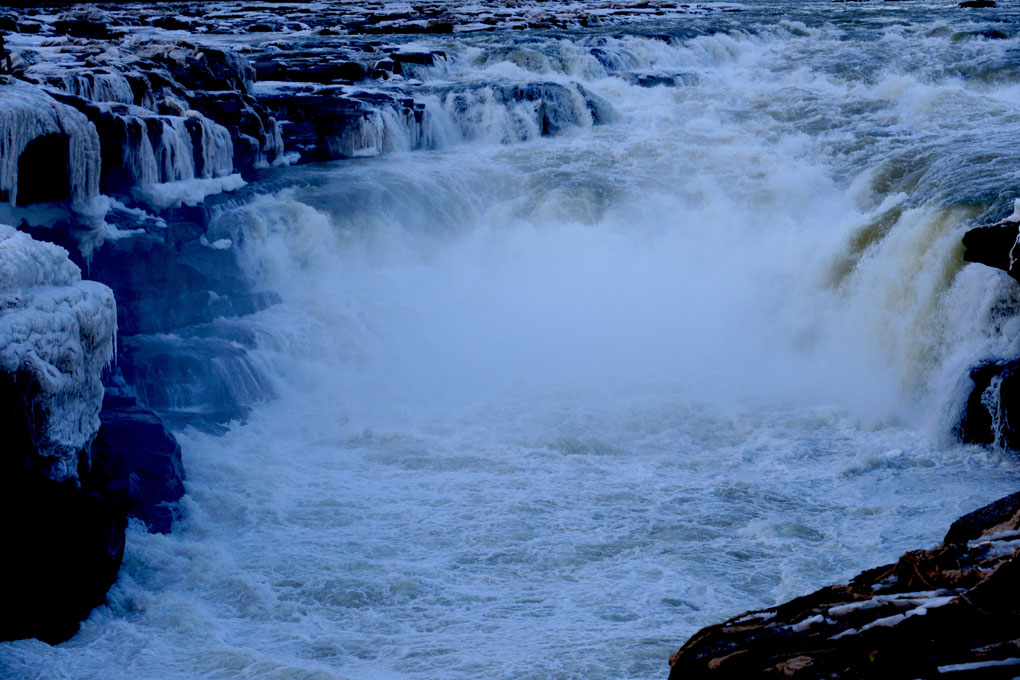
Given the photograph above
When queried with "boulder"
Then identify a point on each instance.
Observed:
(976, 422)
(946, 612)
(992, 245)
(200, 67)
(992, 412)
(85, 28)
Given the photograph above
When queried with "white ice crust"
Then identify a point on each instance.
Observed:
(26, 112)
(59, 330)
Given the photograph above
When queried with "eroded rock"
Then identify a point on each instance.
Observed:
(945, 612)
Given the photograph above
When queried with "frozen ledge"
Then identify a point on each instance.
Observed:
(56, 336)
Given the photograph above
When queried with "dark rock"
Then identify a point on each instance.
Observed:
(388, 66)
(310, 70)
(29, 27)
(975, 425)
(62, 549)
(84, 28)
(973, 524)
(252, 128)
(977, 3)
(43, 170)
(992, 412)
(203, 382)
(653, 80)
(261, 28)
(438, 27)
(8, 25)
(420, 58)
(62, 542)
(201, 67)
(172, 23)
(161, 287)
(325, 126)
(933, 613)
(135, 456)
(991, 245)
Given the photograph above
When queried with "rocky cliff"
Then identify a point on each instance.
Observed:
(62, 542)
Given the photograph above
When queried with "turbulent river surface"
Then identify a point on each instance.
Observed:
(549, 404)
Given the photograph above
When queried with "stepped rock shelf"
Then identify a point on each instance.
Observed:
(127, 135)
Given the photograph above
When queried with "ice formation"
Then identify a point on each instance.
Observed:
(184, 192)
(27, 113)
(58, 331)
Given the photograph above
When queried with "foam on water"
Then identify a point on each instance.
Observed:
(546, 408)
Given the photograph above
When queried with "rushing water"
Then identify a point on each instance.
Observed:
(549, 404)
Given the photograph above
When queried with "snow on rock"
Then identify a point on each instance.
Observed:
(185, 192)
(948, 609)
(57, 332)
(40, 137)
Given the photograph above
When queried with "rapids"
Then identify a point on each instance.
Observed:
(549, 404)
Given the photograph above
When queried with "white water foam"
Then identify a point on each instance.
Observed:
(547, 408)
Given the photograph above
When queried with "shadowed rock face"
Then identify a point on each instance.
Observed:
(138, 462)
(993, 246)
(946, 612)
(62, 547)
(62, 540)
(42, 170)
(991, 414)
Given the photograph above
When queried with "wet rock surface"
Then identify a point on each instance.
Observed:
(991, 413)
(137, 461)
(946, 612)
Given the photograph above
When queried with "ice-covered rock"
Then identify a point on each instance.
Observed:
(62, 542)
(48, 151)
(56, 336)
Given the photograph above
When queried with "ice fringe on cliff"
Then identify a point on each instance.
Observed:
(162, 149)
(59, 331)
(184, 192)
(27, 113)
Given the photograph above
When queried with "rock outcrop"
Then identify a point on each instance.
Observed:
(74, 467)
(57, 332)
(991, 414)
(63, 541)
(946, 612)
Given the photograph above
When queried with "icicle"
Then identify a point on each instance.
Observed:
(27, 113)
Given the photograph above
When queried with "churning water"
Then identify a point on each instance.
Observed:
(547, 405)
